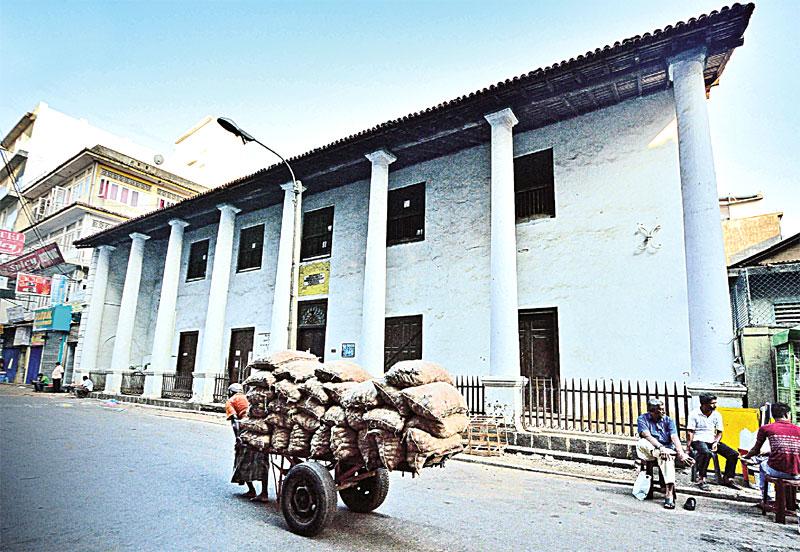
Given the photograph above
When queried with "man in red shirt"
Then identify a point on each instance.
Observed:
(784, 445)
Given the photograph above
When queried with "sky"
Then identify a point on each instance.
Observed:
(300, 74)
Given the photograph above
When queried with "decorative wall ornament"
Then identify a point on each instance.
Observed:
(648, 243)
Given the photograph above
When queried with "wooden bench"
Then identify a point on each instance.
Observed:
(785, 498)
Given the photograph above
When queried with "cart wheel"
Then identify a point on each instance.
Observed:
(308, 498)
(368, 494)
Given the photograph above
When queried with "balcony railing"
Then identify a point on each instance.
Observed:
(220, 388)
(177, 386)
(99, 380)
(132, 383)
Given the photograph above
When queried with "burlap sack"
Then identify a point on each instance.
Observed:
(435, 401)
(364, 395)
(355, 418)
(256, 412)
(421, 445)
(410, 373)
(257, 441)
(296, 371)
(311, 406)
(259, 365)
(447, 427)
(258, 396)
(280, 439)
(305, 420)
(338, 390)
(344, 442)
(384, 418)
(338, 371)
(278, 404)
(255, 425)
(390, 447)
(392, 396)
(334, 416)
(288, 391)
(279, 358)
(299, 442)
(369, 450)
(259, 378)
(278, 419)
(321, 444)
(313, 388)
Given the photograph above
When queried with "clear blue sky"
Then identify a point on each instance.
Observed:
(301, 74)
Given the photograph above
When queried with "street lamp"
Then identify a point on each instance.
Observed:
(297, 190)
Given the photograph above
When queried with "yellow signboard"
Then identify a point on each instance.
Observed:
(741, 426)
(314, 278)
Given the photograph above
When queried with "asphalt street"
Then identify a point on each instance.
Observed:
(78, 475)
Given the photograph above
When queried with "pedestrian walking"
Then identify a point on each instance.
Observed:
(249, 464)
(56, 376)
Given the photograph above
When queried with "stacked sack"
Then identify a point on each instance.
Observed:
(335, 411)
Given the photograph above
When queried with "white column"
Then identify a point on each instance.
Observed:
(504, 384)
(710, 325)
(93, 317)
(121, 355)
(211, 358)
(373, 306)
(284, 278)
(161, 358)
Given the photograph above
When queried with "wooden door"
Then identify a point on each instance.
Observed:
(402, 340)
(187, 353)
(312, 319)
(239, 353)
(538, 351)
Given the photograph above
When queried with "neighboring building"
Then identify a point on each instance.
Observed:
(93, 190)
(765, 293)
(537, 228)
(746, 228)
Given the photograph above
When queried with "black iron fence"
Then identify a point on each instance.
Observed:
(176, 386)
(220, 388)
(132, 383)
(99, 380)
(600, 406)
(471, 388)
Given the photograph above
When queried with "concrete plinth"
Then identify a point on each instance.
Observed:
(504, 397)
(729, 394)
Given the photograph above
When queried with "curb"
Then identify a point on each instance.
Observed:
(169, 404)
(468, 459)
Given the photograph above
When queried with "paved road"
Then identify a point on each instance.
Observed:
(75, 475)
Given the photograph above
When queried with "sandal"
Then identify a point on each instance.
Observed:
(669, 503)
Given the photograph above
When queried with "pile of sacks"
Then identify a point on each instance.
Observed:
(337, 411)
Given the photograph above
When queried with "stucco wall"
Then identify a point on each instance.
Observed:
(621, 311)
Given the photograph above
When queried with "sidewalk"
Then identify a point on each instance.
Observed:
(582, 466)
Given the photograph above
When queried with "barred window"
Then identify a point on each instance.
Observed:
(198, 260)
(406, 215)
(251, 244)
(533, 186)
(317, 234)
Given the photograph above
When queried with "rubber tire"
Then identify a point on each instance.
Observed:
(368, 494)
(308, 498)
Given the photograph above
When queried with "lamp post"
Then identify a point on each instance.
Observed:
(297, 190)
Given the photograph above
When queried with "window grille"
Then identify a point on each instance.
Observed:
(198, 260)
(406, 215)
(251, 243)
(534, 193)
(317, 234)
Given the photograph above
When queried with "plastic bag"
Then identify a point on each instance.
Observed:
(641, 487)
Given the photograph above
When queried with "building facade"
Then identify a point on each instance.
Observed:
(545, 227)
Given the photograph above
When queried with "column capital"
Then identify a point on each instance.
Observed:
(381, 157)
(178, 223)
(289, 187)
(504, 117)
(229, 208)
(695, 54)
(105, 248)
(138, 236)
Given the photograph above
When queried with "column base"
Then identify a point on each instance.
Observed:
(113, 383)
(728, 394)
(203, 388)
(153, 385)
(504, 397)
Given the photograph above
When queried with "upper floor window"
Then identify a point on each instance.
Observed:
(198, 260)
(251, 243)
(317, 234)
(406, 217)
(533, 185)
(117, 192)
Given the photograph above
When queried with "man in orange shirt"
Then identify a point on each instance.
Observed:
(249, 464)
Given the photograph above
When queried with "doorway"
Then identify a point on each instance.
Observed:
(34, 361)
(538, 350)
(187, 353)
(239, 353)
(312, 318)
(402, 340)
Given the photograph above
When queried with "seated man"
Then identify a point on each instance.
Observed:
(86, 387)
(659, 441)
(784, 444)
(704, 435)
(40, 383)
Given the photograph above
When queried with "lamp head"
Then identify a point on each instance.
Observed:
(234, 129)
